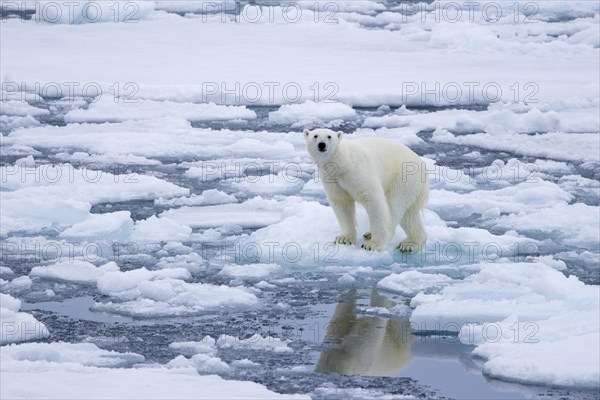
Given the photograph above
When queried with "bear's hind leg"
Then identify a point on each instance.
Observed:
(413, 226)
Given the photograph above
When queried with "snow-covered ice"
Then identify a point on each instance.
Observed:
(284, 49)
(86, 354)
(554, 145)
(74, 271)
(61, 196)
(74, 371)
(164, 293)
(207, 198)
(157, 229)
(107, 110)
(310, 113)
(525, 319)
(255, 342)
(253, 213)
(18, 326)
(411, 283)
(250, 271)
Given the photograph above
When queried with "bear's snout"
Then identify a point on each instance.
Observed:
(322, 146)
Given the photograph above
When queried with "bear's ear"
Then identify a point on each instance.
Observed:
(340, 134)
(306, 132)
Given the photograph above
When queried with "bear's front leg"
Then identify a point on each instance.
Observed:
(379, 220)
(345, 211)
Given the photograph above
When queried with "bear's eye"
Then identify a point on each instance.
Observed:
(315, 136)
(329, 137)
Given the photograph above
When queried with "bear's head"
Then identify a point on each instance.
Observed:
(322, 143)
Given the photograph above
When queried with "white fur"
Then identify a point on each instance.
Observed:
(386, 177)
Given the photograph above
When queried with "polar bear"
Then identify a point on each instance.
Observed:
(386, 177)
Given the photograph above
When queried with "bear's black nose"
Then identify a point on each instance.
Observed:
(322, 146)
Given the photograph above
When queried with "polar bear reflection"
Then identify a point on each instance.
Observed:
(365, 345)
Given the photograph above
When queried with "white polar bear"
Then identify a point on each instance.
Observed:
(386, 177)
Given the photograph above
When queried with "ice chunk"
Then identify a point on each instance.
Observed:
(311, 113)
(10, 303)
(264, 285)
(255, 342)
(529, 322)
(387, 121)
(407, 135)
(207, 198)
(570, 222)
(282, 183)
(313, 188)
(521, 355)
(517, 287)
(577, 184)
(51, 368)
(152, 383)
(16, 285)
(116, 226)
(109, 161)
(75, 271)
(409, 283)
(84, 184)
(18, 150)
(80, 353)
(61, 195)
(193, 262)
(558, 146)
(245, 363)
(26, 162)
(292, 166)
(206, 346)
(253, 213)
(164, 137)
(21, 109)
(253, 147)
(346, 279)
(18, 326)
(446, 34)
(125, 285)
(177, 248)
(533, 121)
(179, 362)
(33, 214)
(163, 293)
(250, 271)
(108, 110)
(206, 364)
(524, 197)
(292, 242)
(157, 229)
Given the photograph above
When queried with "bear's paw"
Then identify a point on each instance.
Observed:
(374, 245)
(345, 239)
(408, 247)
